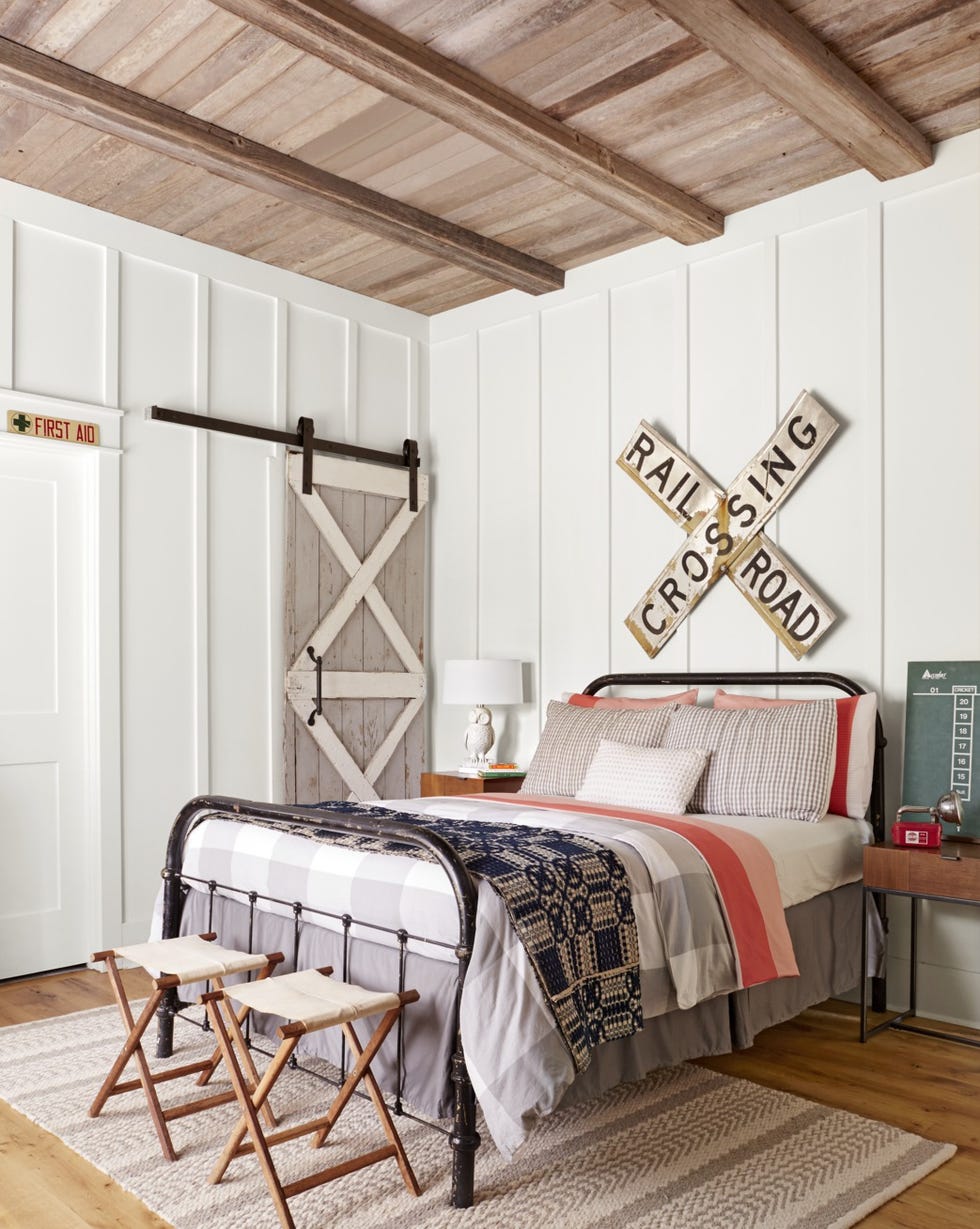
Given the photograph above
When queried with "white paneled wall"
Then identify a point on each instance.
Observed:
(574, 490)
(867, 294)
(96, 309)
(509, 365)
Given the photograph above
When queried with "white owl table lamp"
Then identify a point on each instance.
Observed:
(480, 683)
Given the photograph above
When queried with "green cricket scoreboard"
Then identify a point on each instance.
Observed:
(941, 737)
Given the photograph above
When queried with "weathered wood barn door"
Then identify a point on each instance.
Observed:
(355, 556)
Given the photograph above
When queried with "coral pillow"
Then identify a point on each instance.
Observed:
(850, 790)
(613, 702)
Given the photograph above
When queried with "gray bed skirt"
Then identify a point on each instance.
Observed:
(826, 934)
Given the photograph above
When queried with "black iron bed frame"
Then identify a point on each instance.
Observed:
(464, 1139)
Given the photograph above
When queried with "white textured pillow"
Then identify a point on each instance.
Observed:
(644, 778)
(572, 735)
(776, 762)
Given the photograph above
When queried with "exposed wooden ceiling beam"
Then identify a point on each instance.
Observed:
(38, 79)
(375, 53)
(762, 40)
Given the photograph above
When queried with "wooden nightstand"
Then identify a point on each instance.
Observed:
(920, 874)
(439, 784)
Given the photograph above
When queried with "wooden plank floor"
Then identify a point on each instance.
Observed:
(924, 1085)
(44, 1184)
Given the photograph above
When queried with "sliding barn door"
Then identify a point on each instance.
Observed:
(355, 584)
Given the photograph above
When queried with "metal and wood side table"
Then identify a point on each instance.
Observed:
(439, 784)
(919, 874)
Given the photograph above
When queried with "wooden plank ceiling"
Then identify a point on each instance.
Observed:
(551, 134)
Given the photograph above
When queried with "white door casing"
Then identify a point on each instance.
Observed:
(359, 584)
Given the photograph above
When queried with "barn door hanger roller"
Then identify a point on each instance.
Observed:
(304, 439)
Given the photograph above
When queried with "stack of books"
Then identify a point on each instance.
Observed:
(494, 770)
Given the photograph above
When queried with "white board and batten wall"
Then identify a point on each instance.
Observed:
(102, 312)
(866, 294)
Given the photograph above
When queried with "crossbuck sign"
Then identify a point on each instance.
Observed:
(724, 530)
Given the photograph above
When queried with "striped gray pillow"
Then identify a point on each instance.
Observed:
(776, 762)
(571, 737)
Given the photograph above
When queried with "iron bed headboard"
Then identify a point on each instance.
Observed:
(775, 678)
(463, 1137)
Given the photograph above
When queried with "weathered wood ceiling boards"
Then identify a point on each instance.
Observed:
(432, 152)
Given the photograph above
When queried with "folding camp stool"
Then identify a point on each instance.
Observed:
(178, 962)
(309, 1001)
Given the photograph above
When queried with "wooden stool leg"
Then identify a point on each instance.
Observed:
(133, 1049)
(235, 1144)
(235, 1022)
(249, 1103)
(384, 1117)
(364, 1058)
(133, 1039)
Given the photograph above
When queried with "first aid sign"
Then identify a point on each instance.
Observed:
(48, 427)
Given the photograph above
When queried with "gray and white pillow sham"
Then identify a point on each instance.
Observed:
(571, 737)
(777, 763)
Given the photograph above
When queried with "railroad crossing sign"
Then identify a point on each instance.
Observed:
(724, 530)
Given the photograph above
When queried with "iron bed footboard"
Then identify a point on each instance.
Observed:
(463, 1138)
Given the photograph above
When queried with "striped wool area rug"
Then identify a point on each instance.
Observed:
(686, 1148)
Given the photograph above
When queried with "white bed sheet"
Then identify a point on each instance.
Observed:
(809, 858)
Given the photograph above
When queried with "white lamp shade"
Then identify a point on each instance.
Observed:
(485, 680)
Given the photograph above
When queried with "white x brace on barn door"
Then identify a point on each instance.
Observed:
(354, 599)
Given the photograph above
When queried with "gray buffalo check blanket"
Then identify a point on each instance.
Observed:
(567, 897)
(706, 905)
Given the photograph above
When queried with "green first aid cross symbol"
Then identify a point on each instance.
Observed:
(724, 530)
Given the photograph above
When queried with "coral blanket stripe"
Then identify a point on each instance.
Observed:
(846, 709)
(743, 872)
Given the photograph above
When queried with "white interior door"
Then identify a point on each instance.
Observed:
(47, 845)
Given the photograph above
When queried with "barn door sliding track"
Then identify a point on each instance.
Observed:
(304, 439)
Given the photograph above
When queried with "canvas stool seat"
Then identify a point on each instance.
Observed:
(172, 963)
(309, 1000)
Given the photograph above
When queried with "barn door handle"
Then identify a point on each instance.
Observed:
(318, 707)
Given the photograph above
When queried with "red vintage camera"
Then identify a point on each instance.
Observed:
(919, 836)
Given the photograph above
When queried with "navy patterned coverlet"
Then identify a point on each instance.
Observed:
(568, 898)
